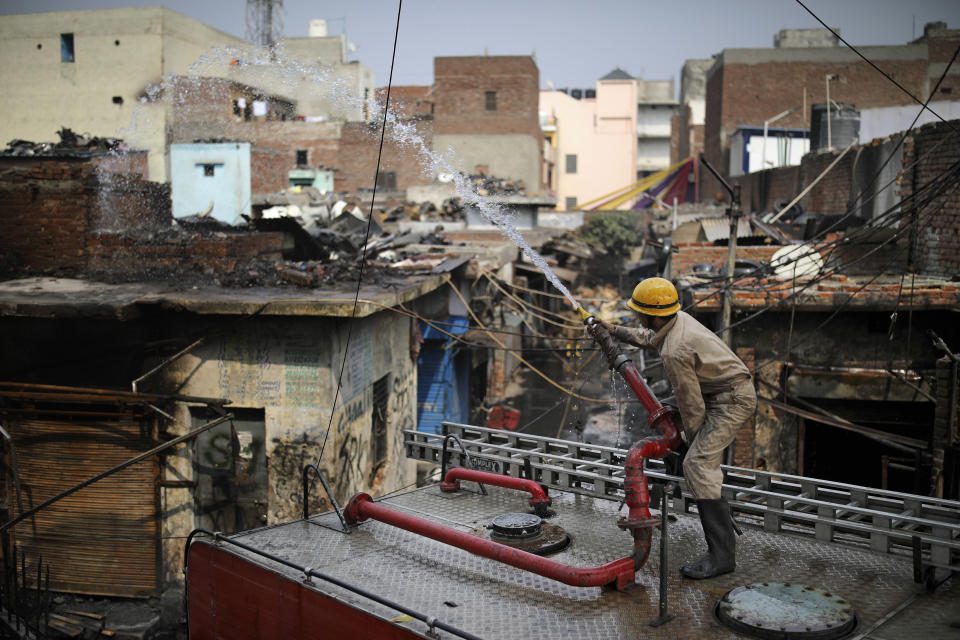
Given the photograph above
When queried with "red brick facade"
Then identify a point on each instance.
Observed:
(408, 101)
(360, 145)
(936, 238)
(68, 213)
(274, 146)
(49, 204)
(773, 81)
(687, 255)
(461, 85)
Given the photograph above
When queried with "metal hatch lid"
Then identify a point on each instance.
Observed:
(785, 611)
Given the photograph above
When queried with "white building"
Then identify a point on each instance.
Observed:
(95, 72)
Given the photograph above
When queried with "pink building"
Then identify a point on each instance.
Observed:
(593, 139)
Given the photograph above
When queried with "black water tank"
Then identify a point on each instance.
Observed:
(844, 125)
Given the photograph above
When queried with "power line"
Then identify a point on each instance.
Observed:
(892, 215)
(363, 254)
(869, 62)
(896, 236)
(853, 205)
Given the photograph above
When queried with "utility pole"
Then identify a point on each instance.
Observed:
(828, 78)
(264, 21)
(735, 212)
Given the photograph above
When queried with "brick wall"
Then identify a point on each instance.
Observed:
(935, 242)
(68, 214)
(832, 193)
(269, 170)
(743, 441)
(117, 256)
(360, 145)
(408, 101)
(274, 146)
(713, 140)
(45, 208)
(687, 255)
(761, 189)
(747, 94)
(460, 84)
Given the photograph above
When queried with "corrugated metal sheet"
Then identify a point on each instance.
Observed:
(102, 540)
(719, 228)
(433, 373)
(443, 376)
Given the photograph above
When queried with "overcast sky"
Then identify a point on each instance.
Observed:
(575, 41)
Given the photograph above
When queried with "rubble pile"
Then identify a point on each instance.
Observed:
(70, 143)
(485, 185)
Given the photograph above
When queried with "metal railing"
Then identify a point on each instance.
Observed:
(927, 529)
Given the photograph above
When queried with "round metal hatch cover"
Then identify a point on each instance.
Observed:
(786, 610)
(517, 525)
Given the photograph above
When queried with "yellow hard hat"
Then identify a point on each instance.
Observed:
(655, 297)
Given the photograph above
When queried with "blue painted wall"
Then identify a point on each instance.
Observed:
(202, 173)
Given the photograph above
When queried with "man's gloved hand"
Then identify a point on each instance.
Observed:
(610, 328)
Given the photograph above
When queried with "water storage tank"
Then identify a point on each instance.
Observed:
(844, 125)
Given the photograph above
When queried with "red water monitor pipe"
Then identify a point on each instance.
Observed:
(539, 500)
(663, 419)
(618, 573)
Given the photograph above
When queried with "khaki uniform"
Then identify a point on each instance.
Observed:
(714, 393)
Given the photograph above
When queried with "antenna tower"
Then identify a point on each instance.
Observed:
(264, 21)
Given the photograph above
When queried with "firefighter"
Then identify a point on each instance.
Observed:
(715, 395)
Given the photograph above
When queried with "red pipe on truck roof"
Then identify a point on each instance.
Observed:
(618, 573)
(539, 500)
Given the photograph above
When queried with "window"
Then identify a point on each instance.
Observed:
(571, 203)
(378, 436)
(490, 98)
(209, 170)
(301, 157)
(387, 180)
(66, 47)
(571, 163)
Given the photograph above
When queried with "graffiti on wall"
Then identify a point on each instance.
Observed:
(402, 411)
(287, 460)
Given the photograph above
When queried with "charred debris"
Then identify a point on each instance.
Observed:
(318, 238)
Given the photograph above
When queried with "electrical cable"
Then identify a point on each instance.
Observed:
(853, 205)
(524, 306)
(366, 236)
(893, 214)
(869, 62)
(514, 353)
(903, 136)
(816, 331)
(551, 295)
(813, 281)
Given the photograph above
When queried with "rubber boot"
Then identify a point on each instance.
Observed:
(721, 555)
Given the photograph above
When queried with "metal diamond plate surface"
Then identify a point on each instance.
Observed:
(493, 600)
